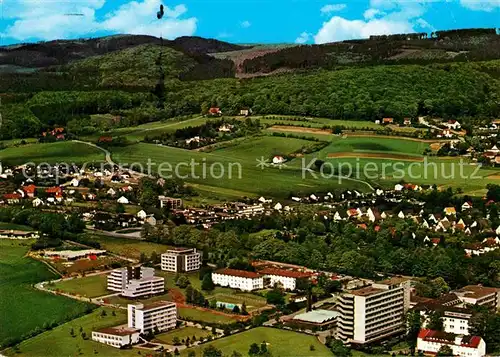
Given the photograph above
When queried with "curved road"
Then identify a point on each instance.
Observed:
(106, 152)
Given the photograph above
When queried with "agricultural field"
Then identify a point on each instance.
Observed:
(63, 151)
(266, 146)
(89, 286)
(239, 174)
(59, 342)
(279, 343)
(25, 308)
(182, 334)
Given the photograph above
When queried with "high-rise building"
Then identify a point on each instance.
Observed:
(161, 316)
(181, 260)
(373, 313)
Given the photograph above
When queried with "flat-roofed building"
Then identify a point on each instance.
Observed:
(238, 279)
(118, 336)
(321, 319)
(160, 315)
(373, 313)
(283, 277)
(479, 295)
(181, 260)
(74, 254)
(135, 282)
(15, 234)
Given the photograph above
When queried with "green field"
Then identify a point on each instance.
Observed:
(89, 286)
(280, 343)
(23, 307)
(130, 248)
(238, 174)
(17, 227)
(63, 151)
(266, 146)
(59, 342)
(205, 316)
(182, 334)
(371, 144)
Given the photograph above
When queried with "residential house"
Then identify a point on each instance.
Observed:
(450, 211)
(407, 121)
(141, 214)
(215, 111)
(453, 124)
(37, 202)
(123, 200)
(466, 206)
(387, 120)
(30, 191)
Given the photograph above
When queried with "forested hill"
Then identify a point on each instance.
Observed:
(147, 82)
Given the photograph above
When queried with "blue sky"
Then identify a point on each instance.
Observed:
(240, 21)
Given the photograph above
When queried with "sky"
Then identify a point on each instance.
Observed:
(239, 21)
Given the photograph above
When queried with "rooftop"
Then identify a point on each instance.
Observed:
(154, 305)
(366, 291)
(317, 316)
(240, 273)
(118, 330)
(395, 280)
(285, 273)
(476, 291)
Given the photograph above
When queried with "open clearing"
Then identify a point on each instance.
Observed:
(62, 152)
(89, 286)
(280, 343)
(131, 248)
(182, 334)
(374, 155)
(21, 305)
(59, 342)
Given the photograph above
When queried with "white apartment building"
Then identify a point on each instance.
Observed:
(181, 260)
(373, 313)
(161, 315)
(116, 336)
(430, 342)
(455, 320)
(134, 282)
(480, 295)
(285, 278)
(238, 279)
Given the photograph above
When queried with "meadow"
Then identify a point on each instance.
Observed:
(21, 305)
(59, 342)
(182, 334)
(17, 227)
(130, 248)
(89, 286)
(280, 343)
(63, 151)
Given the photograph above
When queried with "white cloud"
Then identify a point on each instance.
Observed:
(338, 29)
(328, 9)
(246, 24)
(481, 5)
(372, 13)
(384, 17)
(424, 24)
(303, 38)
(135, 17)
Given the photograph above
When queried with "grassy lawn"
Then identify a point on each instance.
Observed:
(206, 316)
(21, 305)
(129, 247)
(17, 227)
(63, 151)
(90, 286)
(182, 334)
(279, 343)
(58, 342)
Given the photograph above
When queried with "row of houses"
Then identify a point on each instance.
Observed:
(267, 277)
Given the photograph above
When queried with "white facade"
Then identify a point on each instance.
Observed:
(373, 313)
(116, 336)
(430, 341)
(159, 315)
(135, 282)
(181, 260)
(284, 278)
(143, 287)
(238, 279)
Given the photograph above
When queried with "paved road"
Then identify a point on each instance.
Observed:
(106, 152)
